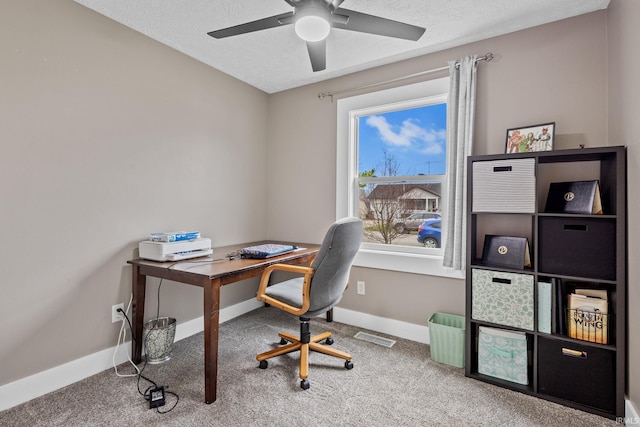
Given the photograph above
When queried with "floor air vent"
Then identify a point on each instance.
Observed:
(386, 342)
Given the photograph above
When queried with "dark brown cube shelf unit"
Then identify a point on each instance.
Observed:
(570, 253)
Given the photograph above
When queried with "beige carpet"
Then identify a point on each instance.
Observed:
(398, 386)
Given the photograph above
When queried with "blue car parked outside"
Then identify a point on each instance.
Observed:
(429, 233)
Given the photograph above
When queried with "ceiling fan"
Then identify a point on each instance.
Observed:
(313, 19)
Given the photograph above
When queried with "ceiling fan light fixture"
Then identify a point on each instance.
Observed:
(312, 23)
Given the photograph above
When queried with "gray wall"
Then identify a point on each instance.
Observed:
(624, 90)
(107, 135)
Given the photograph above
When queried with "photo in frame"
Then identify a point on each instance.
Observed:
(530, 138)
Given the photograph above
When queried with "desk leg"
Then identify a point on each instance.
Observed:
(330, 315)
(138, 288)
(211, 325)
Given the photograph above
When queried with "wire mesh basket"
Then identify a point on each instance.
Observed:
(158, 339)
(588, 325)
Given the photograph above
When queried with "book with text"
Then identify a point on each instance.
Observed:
(587, 318)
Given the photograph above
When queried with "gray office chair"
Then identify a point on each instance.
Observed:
(318, 290)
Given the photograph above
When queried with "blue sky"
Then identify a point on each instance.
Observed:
(416, 138)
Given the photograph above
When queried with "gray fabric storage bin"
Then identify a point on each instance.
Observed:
(504, 186)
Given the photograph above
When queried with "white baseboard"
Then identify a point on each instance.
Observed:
(393, 327)
(36, 385)
(630, 414)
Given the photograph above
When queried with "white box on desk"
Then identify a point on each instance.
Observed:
(174, 251)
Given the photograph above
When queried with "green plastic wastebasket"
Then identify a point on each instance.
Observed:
(446, 338)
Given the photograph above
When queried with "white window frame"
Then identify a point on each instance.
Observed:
(380, 256)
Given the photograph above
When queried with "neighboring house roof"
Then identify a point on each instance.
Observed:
(396, 191)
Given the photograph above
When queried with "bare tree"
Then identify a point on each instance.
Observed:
(385, 203)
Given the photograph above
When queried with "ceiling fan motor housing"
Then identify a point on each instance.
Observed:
(312, 21)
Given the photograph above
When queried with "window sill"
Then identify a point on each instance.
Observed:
(430, 265)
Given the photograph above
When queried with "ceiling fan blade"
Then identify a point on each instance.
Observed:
(333, 4)
(364, 23)
(249, 27)
(318, 54)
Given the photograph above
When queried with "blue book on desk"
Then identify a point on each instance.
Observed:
(267, 250)
(175, 236)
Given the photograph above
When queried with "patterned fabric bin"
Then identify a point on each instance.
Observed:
(502, 298)
(503, 354)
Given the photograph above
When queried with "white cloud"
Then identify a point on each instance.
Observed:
(387, 133)
(409, 135)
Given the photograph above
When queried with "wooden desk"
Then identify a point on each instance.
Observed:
(210, 276)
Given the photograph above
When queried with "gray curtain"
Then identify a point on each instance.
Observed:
(460, 118)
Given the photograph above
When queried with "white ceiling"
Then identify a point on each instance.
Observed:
(276, 59)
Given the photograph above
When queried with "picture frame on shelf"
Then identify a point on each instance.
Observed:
(530, 138)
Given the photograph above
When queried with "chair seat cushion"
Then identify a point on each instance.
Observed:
(289, 291)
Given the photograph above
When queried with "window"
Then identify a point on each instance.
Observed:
(401, 156)
(391, 172)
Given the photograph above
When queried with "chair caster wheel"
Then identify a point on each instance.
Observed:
(304, 384)
(328, 341)
(283, 341)
(263, 364)
(348, 364)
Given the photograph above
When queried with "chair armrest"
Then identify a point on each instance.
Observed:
(264, 281)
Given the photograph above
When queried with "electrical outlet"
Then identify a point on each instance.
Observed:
(360, 289)
(116, 316)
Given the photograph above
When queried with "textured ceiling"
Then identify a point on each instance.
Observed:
(276, 59)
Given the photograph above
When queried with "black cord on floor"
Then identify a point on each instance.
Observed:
(147, 393)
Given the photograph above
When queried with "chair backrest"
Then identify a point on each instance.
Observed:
(333, 264)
